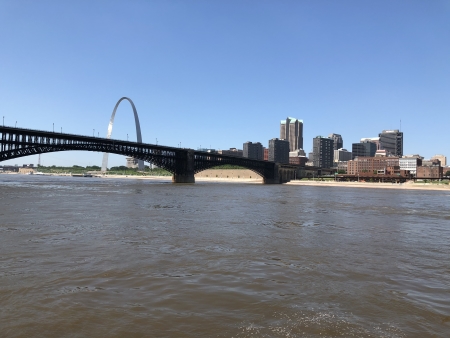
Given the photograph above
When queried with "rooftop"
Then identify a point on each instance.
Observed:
(292, 119)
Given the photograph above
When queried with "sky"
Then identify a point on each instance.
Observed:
(215, 74)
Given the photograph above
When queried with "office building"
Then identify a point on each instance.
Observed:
(291, 130)
(278, 151)
(342, 155)
(298, 157)
(392, 141)
(338, 141)
(365, 149)
(375, 140)
(253, 151)
(441, 159)
(297, 152)
(231, 152)
(342, 166)
(132, 162)
(410, 164)
(323, 152)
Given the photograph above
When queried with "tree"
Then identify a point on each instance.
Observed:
(120, 168)
(447, 173)
(341, 171)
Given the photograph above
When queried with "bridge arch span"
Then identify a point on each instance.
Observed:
(110, 126)
(159, 160)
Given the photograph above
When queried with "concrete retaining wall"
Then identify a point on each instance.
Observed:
(228, 173)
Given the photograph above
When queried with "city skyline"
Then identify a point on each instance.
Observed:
(194, 70)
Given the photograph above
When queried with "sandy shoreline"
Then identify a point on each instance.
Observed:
(197, 179)
(404, 186)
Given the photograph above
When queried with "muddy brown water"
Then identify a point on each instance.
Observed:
(88, 257)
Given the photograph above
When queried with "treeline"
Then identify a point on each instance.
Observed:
(228, 166)
(118, 170)
(76, 169)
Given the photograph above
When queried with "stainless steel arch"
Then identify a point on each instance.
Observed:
(110, 126)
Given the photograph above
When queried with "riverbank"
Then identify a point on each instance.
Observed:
(250, 177)
(405, 186)
(197, 179)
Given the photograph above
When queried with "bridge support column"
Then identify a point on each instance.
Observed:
(282, 174)
(276, 179)
(187, 174)
(183, 178)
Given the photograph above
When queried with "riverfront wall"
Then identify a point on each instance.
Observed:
(228, 173)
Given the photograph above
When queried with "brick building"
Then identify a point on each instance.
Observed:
(430, 169)
(371, 165)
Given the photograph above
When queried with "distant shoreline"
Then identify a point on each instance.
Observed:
(401, 186)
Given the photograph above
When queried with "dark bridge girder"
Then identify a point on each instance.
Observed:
(182, 163)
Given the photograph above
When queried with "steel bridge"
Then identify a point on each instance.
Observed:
(182, 163)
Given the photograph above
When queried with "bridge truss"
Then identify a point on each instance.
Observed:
(19, 142)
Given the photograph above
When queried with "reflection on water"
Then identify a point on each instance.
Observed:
(99, 257)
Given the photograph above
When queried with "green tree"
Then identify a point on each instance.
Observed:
(447, 173)
(341, 171)
(120, 168)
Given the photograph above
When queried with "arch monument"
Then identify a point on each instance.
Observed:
(110, 126)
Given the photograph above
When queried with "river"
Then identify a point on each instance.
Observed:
(91, 257)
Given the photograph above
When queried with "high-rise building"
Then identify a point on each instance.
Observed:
(365, 149)
(338, 141)
(278, 151)
(253, 150)
(392, 141)
(311, 158)
(291, 130)
(323, 152)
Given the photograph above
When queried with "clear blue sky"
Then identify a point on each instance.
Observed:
(219, 73)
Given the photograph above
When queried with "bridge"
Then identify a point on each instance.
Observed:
(181, 162)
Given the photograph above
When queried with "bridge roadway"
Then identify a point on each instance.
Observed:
(181, 162)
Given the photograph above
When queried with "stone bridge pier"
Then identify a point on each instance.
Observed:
(283, 174)
(185, 172)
